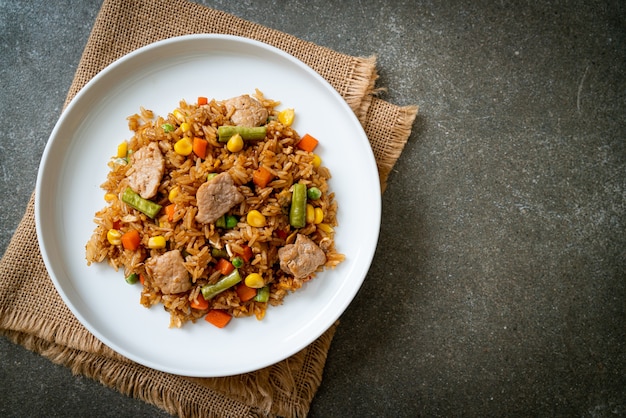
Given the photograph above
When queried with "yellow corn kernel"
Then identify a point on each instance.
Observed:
(172, 194)
(319, 216)
(310, 213)
(254, 280)
(109, 197)
(286, 117)
(256, 219)
(157, 242)
(178, 115)
(326, 228)
(183, 147)
(317, 161)
(185, 127)
(122, 150)
(235, 143)
(114, 237)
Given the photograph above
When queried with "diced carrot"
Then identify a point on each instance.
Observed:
(202, 100)
(224, 266)
(170, 210)
(247, 253)
(262, 176)
(244, 292)
(199, 303)
(218, 317)
(199, 147)
(307, 143)
(142, 279)
(131, 240)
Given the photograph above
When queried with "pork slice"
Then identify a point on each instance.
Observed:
(247, 111)
(168, 272)
(148, 166)
(216, 197)
(301, 258)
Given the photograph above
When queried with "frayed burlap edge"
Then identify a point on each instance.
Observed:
(275, 394)
(388, 145)
(353, 77)
(213, 397)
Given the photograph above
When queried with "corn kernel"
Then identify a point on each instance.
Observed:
(317, 161)
(326, 228)
(179, 115)
(172, 194)
(310, 213)
(319, 216)
(235, 143)
(185, 127)
(157, 242)
(254, 280)
(286, 117)
(183, 147)
(114, 237)
(256, 219)
(122, 150)
(109, 197)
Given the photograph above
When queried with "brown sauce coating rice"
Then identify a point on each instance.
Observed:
(277, 153)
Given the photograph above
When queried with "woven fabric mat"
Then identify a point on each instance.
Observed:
(47, 326)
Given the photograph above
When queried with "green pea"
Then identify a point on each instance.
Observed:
(237, 262)
(313, 193)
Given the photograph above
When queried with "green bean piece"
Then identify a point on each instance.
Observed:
(132, 278)
(211, 176)
(297, 212)
(137, 202)
(221, 222)
(168, 127)
(219, 253)
(263, 294)
(249, 133)
(313, 193)
(211, 290)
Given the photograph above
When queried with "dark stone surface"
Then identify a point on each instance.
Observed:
(498, 287)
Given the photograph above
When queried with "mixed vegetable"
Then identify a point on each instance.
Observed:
(253, 287)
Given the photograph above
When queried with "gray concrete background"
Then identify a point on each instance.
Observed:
(498, 287)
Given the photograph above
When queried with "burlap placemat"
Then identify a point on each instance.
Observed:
(46, 325)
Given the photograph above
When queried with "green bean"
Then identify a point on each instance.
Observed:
(219, 253)
(142, 205)
(263, 294)
(211, 290)
(297, 213)
(251, 133)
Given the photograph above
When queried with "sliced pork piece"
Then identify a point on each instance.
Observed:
(148, 166)
(216, 197)
(168, 272)
(301, 258)
(247, 111)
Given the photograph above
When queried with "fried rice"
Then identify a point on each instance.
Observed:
(202, 245)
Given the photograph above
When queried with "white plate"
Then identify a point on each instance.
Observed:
(74, 164)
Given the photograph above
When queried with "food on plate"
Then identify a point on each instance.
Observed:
(217, 210)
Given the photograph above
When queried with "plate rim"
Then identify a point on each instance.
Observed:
(70, 110)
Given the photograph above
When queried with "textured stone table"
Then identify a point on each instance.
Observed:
(499, 284)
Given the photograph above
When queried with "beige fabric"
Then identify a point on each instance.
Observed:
(46, 326)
